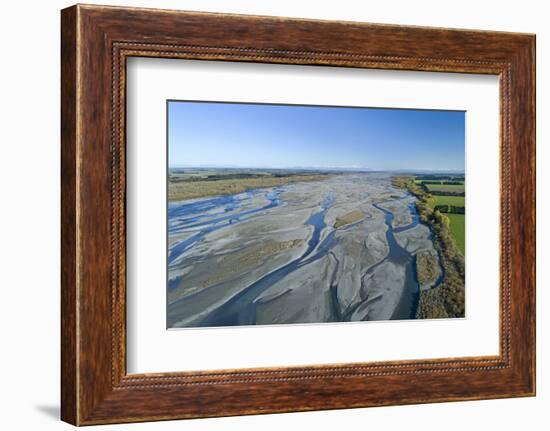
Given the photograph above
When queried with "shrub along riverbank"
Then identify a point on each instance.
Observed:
(446, 300)
(192, 188)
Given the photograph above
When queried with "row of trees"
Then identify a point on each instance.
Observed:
(438, 177)
(428, 191)
(444, 193)
(452, 209)
(449, 183)
(448, 299)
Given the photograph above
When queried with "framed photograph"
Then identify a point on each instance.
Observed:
(264, 215)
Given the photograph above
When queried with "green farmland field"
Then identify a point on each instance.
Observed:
(457, 201)
(458, 231)
(456, 188)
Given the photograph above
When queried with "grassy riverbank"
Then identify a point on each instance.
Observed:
(446, 300)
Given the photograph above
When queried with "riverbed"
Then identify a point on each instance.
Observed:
(274, 256)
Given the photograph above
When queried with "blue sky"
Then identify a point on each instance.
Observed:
(284, 136)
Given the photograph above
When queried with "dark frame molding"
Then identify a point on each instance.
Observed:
(95, 43)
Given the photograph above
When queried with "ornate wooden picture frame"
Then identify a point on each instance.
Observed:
(96, 41)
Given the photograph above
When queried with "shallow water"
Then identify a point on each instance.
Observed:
(406, 309)
(191, 217)
(240, 309)
(200, 217)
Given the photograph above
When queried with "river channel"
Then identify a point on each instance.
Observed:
(201, 217)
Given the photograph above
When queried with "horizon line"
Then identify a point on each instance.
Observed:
(349, 168)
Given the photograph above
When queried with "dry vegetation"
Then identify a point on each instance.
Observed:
(182, 190)
(251, 257)
(427, 268)
(348, 218)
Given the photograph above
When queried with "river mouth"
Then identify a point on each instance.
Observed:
(207, 307)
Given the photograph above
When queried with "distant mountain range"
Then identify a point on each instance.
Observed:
(319, 168)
